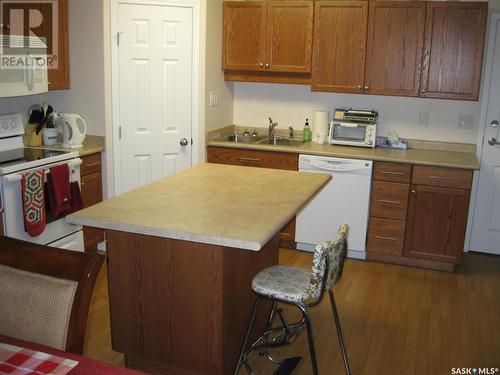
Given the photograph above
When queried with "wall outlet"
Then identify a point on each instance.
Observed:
(214, 98)
(423, 118)
(466, 121)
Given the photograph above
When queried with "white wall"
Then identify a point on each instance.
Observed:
(290, 105)
(222, 114)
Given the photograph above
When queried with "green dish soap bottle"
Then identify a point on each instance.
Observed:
(307, 132)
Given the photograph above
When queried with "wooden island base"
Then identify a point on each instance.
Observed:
(179, 307)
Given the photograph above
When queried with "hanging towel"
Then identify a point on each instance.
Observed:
(59, 189)
(32, 192)
(76, 194)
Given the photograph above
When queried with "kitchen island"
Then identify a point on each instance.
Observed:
(181, 256)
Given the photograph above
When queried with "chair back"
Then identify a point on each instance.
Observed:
(328, 262)
(45, 293)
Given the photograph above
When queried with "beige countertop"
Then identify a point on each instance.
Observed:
(224, 205)
(439, 154)
(92, 145)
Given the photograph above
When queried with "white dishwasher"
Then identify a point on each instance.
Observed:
(344, 200)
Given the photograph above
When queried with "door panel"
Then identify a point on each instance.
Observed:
(340, 46)
(486, 228)
(394, 50)
(437, 221)
(155, 77)
(453, 50)
(244, 35)
(290, 36)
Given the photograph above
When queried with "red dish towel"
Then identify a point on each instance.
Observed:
(59, 189)
(76, 197)
(33, 202)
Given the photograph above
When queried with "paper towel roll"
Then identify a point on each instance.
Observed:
(320, 124)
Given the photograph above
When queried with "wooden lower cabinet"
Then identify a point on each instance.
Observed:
(91, 185)
(437, 223)
(260, 159)
(421, 222)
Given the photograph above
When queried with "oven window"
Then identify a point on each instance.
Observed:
(346, 133)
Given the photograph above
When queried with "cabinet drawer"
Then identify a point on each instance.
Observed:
(389, 200)
(446, 177)
(91, 164)
(392, 172)
(386, 236)
(253, 158)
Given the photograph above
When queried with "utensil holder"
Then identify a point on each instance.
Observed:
(30, 138)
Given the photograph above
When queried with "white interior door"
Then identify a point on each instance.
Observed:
(485, 235)
(155, 57)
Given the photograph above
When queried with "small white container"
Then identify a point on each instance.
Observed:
(49, 136)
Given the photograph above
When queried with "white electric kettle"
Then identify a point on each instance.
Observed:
(74, 130)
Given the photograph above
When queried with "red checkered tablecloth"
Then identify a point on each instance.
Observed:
(20, 361)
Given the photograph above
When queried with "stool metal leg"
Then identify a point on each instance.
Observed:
(339, 332)
(249, 331)
(310, 339)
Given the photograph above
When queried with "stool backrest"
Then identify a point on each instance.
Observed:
(328, 262)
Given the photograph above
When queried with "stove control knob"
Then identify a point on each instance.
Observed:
(5, 125)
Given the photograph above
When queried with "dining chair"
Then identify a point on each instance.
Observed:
(45, 293)
(303, 289)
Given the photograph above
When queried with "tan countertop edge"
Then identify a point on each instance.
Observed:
(438, 158)
(93, 144)
(212, 211)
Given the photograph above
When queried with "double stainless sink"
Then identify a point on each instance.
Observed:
(263, 139)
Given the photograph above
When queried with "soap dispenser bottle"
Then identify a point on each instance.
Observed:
(307, 132)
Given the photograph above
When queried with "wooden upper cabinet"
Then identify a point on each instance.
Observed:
(339, 46)
(59, 78)
(289, 43)
(244, 35)
(453, 50)
(394, 47)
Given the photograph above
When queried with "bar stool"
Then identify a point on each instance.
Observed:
(303, 289)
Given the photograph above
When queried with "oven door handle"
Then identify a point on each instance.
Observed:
(18, 176)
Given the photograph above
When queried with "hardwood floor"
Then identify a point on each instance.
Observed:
(396, 320)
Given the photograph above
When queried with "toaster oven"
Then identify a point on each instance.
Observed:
(354, 128)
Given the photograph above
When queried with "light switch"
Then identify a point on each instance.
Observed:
(214, 98)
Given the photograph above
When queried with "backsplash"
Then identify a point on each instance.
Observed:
(290, 105)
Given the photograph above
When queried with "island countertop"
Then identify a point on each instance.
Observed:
(224, 205)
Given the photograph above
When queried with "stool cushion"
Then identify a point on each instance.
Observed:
(283, 282)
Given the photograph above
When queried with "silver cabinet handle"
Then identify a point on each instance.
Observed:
(442, 178)
(392, 173)
(388, 201)
(82, 184)
(2, 210)
(360, 87)
(424, 91)
(493, 141)
(92, 164)
(261, 65)
(414, 192)
(366, 87)
(494, 124)
(184, 142)
(249, 159)
(386, 238)
(267, 65)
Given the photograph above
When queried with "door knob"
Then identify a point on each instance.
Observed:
(267, 65)
(261, 65)
(494, 124)
(493, 141)
(184, 142)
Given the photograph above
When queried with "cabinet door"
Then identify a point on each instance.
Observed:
(289, 34)
(244, 35)
(453, 50)
(339, 46)
(394, 47)
(437, 222)
(92, 194)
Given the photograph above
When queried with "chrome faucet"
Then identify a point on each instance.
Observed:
(292, 133)
(272, 125)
